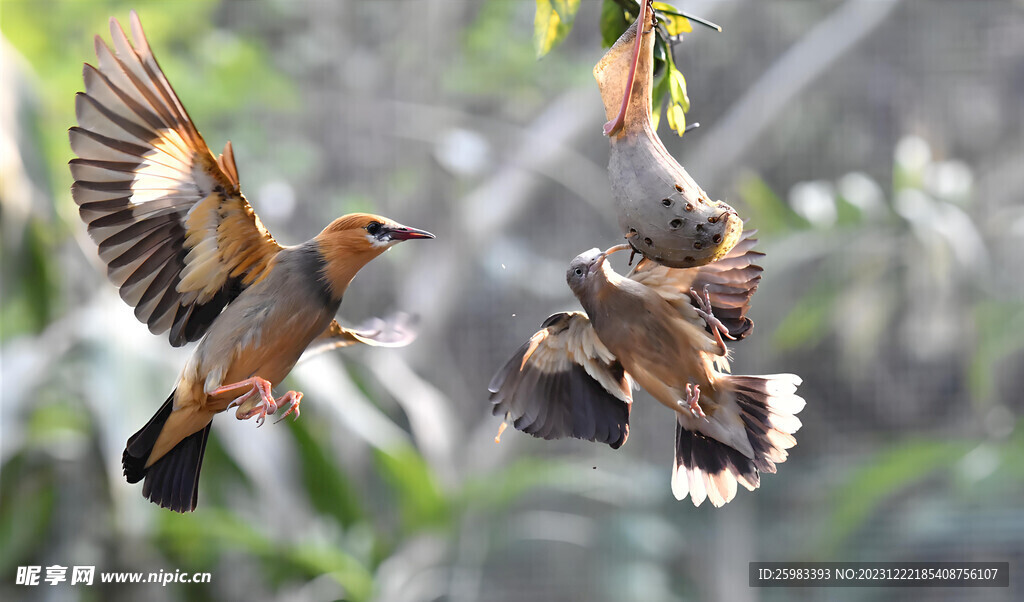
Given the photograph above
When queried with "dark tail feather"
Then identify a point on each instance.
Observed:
(133, 460)
(707, 468)
(173, 480)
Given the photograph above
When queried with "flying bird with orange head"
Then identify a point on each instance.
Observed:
(188, 252)
(665, 330)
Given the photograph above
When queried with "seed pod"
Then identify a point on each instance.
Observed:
(662, 211)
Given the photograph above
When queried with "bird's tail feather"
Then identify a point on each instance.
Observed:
(173, 480)
(706, 468)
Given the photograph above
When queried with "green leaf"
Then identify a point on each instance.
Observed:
(675, 23)
(660, 53)
(613, 22)
(658, 93)
(676, 118)
(566, 9)
(552, 22)
(670, 81)
(677, 87)
(669, 10)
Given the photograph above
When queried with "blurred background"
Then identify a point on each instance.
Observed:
(875, 144)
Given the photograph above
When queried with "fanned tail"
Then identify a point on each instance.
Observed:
(173, 480)
(707, 468)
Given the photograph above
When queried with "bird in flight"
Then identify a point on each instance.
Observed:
(663, 329)
(188, 252)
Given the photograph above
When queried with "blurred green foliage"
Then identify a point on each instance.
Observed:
(56, 37)
(28, 301)
(553, 21)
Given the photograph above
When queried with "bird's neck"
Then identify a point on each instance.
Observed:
(342, 261)
(596, 290)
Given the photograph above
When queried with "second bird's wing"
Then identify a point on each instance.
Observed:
(730, 281)
(564, 382)
(176, 234)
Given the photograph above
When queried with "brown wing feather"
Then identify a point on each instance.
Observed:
(565, 383)
(731, 282)
(178, 237)
(396, 330)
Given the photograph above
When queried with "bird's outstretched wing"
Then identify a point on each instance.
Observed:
(178, 237)
(564, 382)
(396, 330)
(730, 281)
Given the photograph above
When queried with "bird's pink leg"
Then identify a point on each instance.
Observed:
(616, 124)
(704, 311)
(258, 400)
(691, 401)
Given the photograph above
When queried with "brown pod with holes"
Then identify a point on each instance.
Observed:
(663, 213)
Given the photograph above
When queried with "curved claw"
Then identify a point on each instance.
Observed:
(718, 329)
(259, 400)
(260, 410)
(238, 401)
(291, 399)
(704, 309)
(691, 401)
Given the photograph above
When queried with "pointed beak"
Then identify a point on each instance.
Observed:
(405, 233)
(594, 267)
(616, 249)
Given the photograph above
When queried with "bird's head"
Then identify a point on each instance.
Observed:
(353, 240)
(589, 270)
(583, 269)
(367, 233)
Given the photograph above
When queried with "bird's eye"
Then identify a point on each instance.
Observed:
(579, 272)
(373, 228)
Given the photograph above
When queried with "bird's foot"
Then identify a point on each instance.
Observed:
(704, 311)
(691, 401)
(501, 429)
(291, 401)
(257, 401)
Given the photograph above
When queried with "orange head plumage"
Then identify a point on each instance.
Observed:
(352, 240)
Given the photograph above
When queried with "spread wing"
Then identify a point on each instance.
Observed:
(565, 383)
(397, 330)
(178, 237)
(730, 281)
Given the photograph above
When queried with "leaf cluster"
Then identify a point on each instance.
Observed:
(554, 19)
